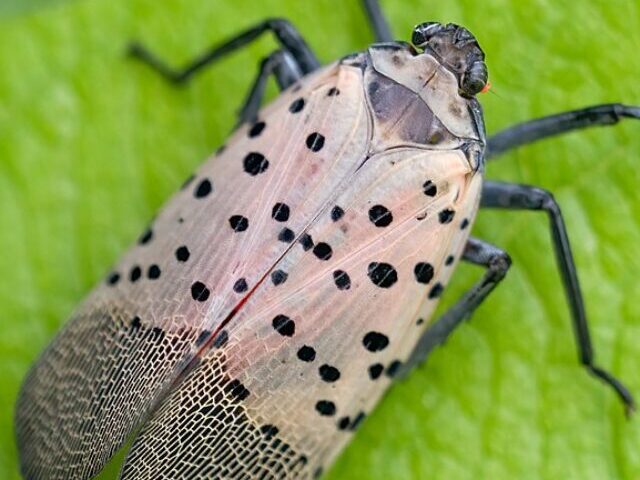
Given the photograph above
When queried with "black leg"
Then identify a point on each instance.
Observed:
(477, 252)
(523, 197)
(286, 71)
(285, 33)
(533, 130)
(379, 23)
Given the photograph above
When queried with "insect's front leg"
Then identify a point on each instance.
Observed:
(559, 123)
(477, 252)
(286, 35)
(523, 197)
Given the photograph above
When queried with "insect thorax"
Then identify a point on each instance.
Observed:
(415, 101)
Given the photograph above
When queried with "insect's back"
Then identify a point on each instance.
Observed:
(288, 275)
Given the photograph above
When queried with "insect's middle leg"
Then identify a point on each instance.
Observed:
(523, 197)
(477, 252)
(286, 71)
(540, 128)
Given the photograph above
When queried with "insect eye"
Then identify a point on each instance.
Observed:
(475, 78)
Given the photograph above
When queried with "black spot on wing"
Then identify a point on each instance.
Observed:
(256, 129)
(199, 292)
(153, 273)
(382, 274)
(203, 188)
(380, 216)
(323, 251)
(240, 286)
(326, 408)
(278, 277)
(429, 188)
(238, 223)
(375, 341)
(286, 235)
(255, 163)
(436, 291)
(280, 212)
(135, 273)
(393, 368)
(342, 280)
(297, 105)
(306, 241)
(182, 253)
(315, 142)
(336, 213)
(306, 353)
(329, 373)
(423, 272)
(375, 371)
(284, 325)
(146, 237)
(446, 216)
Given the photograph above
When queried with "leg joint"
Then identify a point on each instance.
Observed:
(549, 203)
(278, 23)
(541, 199)
(500, 262)
(498, 265)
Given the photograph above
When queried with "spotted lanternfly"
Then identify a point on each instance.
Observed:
(273, 300)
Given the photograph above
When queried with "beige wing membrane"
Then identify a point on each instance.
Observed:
(209, 246)
(308, 357)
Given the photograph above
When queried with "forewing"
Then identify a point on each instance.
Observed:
(312, 351)
(210, 245)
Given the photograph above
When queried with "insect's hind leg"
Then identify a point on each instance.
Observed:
(378, 21)
(540, 128)
(477, 252)
(523, 197)
(286, 34)
(286, 71)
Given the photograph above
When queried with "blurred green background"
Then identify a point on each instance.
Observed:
(91, 145)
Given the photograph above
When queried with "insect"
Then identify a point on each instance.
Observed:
(271, 302)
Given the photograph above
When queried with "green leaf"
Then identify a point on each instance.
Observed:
(91, 144)
(14, 7)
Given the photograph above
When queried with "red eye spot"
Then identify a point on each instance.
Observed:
(486, 88)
